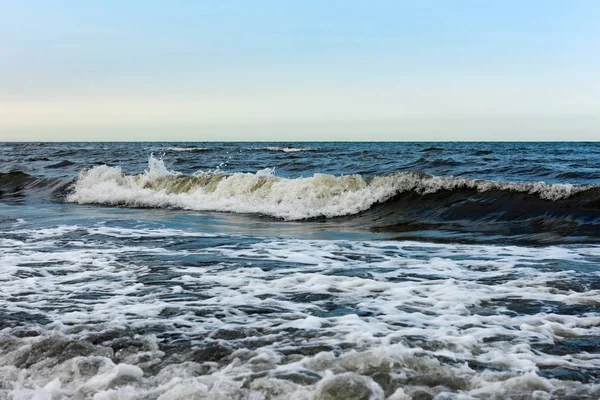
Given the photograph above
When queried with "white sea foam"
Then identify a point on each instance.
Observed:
(281, 149)
(111, 316)
(288, 149)
(182, 149)
(265, 193)
(146, 232)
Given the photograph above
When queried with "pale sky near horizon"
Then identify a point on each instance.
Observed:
(304, 70)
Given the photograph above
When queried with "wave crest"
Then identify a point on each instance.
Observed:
(320, 195)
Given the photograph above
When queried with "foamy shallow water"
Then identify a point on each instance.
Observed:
(114, 311)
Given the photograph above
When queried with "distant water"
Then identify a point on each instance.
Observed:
(300, 270)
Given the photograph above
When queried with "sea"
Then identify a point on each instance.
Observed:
(326, 270)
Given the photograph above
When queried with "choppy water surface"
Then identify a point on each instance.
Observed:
(299, 270)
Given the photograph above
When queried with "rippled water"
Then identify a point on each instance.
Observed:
(299, 270)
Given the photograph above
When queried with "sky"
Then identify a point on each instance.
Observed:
(299, 70)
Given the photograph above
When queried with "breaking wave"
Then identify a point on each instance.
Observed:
(385, 200)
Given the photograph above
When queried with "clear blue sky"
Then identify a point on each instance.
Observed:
(303, 70)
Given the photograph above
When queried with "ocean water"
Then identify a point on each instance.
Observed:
(299, 271)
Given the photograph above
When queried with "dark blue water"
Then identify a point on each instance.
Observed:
(553, 162)
(299, 270)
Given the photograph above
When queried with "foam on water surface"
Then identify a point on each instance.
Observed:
(113, 312)
(192, 149)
